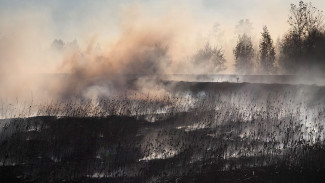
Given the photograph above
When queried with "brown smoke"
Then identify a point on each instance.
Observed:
(145, 49)
(136, 59)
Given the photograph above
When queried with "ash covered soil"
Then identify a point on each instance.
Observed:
(204, 132)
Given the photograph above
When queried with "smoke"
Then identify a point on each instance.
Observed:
(134, 52)
(144, 49)
(23, 52)
(38, 69)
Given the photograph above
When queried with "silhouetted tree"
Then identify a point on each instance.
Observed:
(304, 19)
(58, 45)
(211, 58)
(244, 54)
(244, 26)
(267, 53)
(301, 47)
(290, 54)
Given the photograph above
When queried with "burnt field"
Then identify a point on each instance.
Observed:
(199, 132)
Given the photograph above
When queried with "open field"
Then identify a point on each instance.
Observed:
(228, 132)
(162, 91)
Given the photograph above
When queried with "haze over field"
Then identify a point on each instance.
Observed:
(94, 42)
(30, 27)
(162, 91)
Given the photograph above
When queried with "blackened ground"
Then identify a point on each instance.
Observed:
(45, 149)
(229, 133)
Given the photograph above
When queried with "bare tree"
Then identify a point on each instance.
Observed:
(305, 18)
(302, 47)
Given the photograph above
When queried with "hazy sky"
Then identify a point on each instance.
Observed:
(65, 16)
(42, 21)
(127, 33)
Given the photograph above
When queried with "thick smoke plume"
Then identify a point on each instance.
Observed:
(139, 52)
(135, 60)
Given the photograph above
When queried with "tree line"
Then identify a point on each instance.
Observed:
(301, 50)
